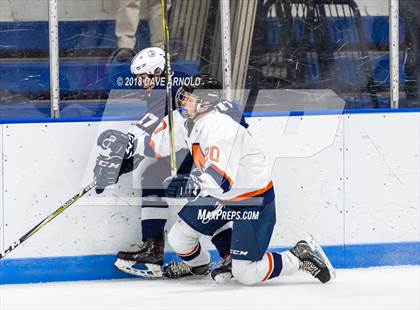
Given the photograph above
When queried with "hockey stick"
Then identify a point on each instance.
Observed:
(169, 87)
(48, 219)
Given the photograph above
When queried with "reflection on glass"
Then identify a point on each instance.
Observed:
(24, 72)
(410, 48)
(339, 46)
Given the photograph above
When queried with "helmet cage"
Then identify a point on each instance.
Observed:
(181, 96)
(206, 91)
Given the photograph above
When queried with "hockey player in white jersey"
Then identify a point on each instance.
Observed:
(232, 185)
(148, 65)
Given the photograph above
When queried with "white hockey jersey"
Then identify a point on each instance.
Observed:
(232, 167)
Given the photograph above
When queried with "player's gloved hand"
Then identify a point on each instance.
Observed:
(115, 141)
(106, 171)
(121, 159)
(183, 186)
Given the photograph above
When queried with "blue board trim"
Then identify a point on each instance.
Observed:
(246, 114)
(100, 267)
(329, 112)
(69, 120)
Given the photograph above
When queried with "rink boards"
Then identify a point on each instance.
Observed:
(352, 180)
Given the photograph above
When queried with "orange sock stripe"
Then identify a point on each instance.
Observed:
(190, 253)
(270, 266)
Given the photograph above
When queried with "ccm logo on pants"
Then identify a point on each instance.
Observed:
(237, 252)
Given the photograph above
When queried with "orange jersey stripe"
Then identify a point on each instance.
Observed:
(253, 194)
(222, 173)
(270, 266)
(152, 145)
(159, 129)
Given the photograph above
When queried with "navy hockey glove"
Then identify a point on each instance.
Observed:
(183, 186)
(106, 171)
(121, 158)
(116, 142)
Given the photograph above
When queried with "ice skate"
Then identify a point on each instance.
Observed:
(313, 260)
(176, 270)
(223, 272)
(146, 262)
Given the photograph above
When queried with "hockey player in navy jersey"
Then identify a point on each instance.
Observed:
(148, 65)
(232, 185)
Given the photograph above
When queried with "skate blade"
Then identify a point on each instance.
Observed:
(153, 271)
(188, 277)
(321, 254)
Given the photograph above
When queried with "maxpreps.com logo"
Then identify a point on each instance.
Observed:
(206, 216)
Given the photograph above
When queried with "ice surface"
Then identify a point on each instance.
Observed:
(373, 288)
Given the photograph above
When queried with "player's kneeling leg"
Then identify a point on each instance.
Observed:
(270, 266)
(248, 272)
(185, 242)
